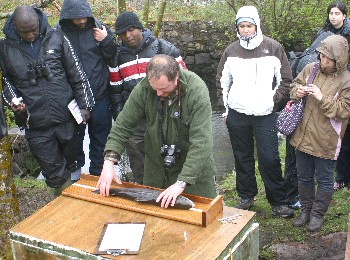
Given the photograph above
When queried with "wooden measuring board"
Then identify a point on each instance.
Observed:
(205, 211)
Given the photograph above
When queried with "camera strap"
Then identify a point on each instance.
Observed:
(160, 110)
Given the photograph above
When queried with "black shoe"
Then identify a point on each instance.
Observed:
(315, 224)
(282, 211)
(244, 203)
(303, 219)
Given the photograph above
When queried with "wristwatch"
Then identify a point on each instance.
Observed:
(182, 184)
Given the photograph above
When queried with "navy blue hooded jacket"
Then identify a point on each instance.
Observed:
(95, 56)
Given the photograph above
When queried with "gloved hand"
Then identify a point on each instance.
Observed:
(85, 114)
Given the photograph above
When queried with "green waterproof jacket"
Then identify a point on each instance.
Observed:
(191, 132)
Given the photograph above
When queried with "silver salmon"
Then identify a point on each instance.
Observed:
(147, 196)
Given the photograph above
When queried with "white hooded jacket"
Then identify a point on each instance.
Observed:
(254, 76)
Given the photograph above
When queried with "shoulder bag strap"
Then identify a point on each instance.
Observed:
(310, 79)
(312, 74)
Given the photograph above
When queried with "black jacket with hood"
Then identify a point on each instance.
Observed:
(46, 96)
(94, 56)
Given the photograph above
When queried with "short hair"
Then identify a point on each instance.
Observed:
(340, 5)
(24, 13)
(162, 64)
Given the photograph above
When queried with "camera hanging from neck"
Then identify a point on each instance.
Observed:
(164, 149)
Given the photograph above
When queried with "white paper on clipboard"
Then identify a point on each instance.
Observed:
(124, 236)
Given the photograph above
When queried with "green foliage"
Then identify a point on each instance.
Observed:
(278, 230)
(32, 183)
(31, 166)
(288, 22)
(10, 118)
(29, 182)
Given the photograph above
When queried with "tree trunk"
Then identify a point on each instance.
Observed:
(145, 12)
(158, 25)
(121, 6)
(9, 206)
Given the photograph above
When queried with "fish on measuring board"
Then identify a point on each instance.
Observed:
(147, 196)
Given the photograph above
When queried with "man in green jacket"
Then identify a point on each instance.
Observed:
(178, 140)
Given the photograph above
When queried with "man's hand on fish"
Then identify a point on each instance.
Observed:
(107, 176)
(170, 195)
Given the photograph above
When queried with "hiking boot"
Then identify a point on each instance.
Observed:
(303, 219)
(244, 203)
(319, 209)
(282, 211)
(307, 197)
(315, 224)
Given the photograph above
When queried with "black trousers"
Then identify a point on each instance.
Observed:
(243, 130)
(290, 173)
(54, 148)
(343, 162)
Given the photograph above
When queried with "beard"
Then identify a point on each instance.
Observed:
(327, 70)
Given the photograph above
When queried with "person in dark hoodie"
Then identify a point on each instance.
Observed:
(138, 46)
(41, 76)
(77, 22)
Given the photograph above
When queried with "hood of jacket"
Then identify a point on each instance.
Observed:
(10, 31)
(74, 9)
(251, 12)
(336, 47)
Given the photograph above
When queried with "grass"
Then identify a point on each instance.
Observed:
(279, 230)
(31, 184)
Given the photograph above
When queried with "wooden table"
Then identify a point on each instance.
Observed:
(70, 228)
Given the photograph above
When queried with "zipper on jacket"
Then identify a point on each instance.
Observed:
(137, 62)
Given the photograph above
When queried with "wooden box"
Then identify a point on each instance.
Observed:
(70, 228)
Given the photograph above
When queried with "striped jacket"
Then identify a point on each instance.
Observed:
(129, 67)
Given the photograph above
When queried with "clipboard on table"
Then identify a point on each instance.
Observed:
(120, 238)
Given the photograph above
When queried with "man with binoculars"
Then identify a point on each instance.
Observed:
(178, 140)
(42, 75)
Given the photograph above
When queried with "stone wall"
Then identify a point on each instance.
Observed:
(201, 43)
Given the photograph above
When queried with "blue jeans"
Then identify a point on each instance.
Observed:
(99, 126)
(310, 167)
(243, 129)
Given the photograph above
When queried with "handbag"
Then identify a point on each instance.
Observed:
(290, 117)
